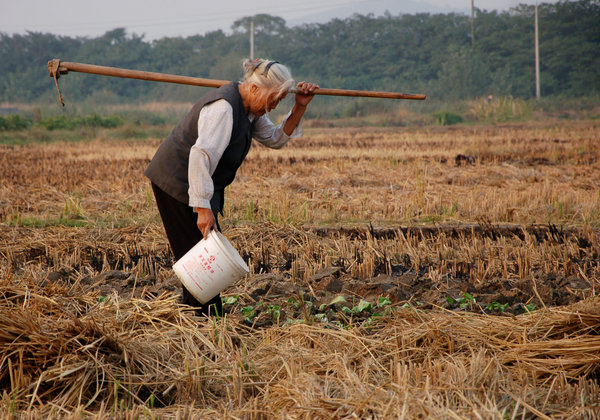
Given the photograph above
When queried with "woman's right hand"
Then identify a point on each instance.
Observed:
(206, 221)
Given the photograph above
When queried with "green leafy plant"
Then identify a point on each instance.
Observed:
(230, 300)
(383, 301)
(466, 300)
(497, 306)
(249, 312)
(363, 306)
(321, 317)
(336, 300)
(293, 301)
(275, 311)
(347, 310)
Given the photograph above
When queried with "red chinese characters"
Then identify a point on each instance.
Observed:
(206, 263)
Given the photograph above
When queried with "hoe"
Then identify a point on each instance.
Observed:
(57, 67)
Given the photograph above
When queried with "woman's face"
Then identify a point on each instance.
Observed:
(263, 101)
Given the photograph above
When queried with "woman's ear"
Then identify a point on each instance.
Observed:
(254, 89)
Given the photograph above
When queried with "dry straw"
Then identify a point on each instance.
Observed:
(69, 355)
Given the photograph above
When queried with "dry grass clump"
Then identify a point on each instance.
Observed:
(141, 251)
(75, 356)
(481, 252)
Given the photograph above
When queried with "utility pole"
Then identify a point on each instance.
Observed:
(472, 22)
(537, 56)
(252, 40)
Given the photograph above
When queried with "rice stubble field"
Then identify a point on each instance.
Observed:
(428, 272)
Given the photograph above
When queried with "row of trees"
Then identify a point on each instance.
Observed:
(406, 53)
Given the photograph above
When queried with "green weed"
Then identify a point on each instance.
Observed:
(14, 122)
(497, 306)
(501, 109)
(465, 301)
(447, 118)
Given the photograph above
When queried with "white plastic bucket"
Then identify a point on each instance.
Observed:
(210, 267)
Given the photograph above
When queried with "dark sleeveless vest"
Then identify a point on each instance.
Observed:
(169, 166)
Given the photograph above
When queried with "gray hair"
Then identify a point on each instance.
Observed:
(268, 74)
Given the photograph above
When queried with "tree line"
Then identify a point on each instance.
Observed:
(420, 53)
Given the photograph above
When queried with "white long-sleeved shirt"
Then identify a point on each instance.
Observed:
(215, 124)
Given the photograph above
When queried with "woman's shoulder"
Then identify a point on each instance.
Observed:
(220, 106)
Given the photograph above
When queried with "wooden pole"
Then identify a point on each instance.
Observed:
(57, 68)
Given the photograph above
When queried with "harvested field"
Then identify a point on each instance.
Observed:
(394, 273)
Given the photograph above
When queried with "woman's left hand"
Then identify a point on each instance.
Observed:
(305, 93)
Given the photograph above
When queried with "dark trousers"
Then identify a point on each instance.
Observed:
(179, 221)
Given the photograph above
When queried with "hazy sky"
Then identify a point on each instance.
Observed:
(160, 18)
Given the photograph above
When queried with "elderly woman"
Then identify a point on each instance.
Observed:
(202, 154)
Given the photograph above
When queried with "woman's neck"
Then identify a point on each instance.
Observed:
(244, 89)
